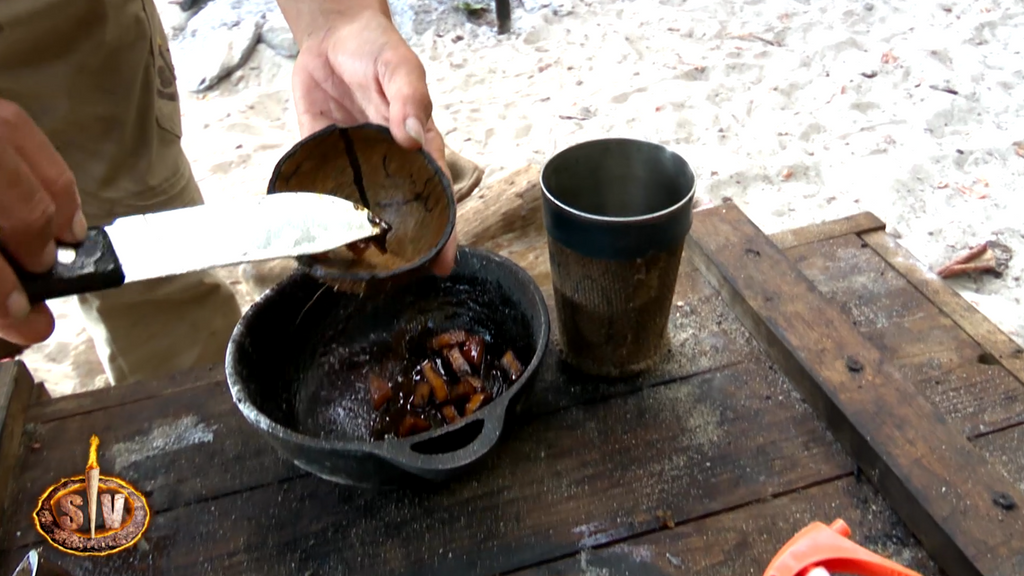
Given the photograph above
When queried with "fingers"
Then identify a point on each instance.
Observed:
(26, 214)
(51, 174)
(405, 86)
(21, 323)
(434, 145)
(443, 264)
(38, 203)
(404, 83)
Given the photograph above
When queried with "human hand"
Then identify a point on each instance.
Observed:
(354, 68)
(39, 204)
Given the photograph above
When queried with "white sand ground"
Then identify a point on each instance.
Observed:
(799, 111)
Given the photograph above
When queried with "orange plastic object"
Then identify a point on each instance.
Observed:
(819, 546)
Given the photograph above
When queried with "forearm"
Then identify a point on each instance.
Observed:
(309, 17)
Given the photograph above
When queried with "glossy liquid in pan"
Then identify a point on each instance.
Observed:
(332, 397)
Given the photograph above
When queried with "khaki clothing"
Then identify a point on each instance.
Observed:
(97, 77)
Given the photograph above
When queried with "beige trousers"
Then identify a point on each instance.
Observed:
(97, 77)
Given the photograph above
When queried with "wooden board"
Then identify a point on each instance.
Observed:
(708, 338)
(926, 348)
(16, 387)
(744, 541)
(583, 476)
(1003, 349)
(816, 233)
(84, 402)
(942, 487)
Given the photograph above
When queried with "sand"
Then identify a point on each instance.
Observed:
(799, 111)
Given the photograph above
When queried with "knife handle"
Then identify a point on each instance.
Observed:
(87, 267)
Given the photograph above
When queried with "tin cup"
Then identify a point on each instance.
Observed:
(617, 212)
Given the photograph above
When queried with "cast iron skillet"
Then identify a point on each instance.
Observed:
(286, 367)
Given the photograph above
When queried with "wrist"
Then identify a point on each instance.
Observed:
(312, 18)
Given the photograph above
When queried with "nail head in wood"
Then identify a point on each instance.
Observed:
(853, 365)
(1004, 501)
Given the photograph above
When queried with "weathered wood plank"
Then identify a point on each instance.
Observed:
(744, 541)
(927, 348)
(1005, 450)
(576, 478)
(818, 232)
(93, 400)
(997, 343)
(15, 395)
(177, 448)
(884, 307)
(940, 485)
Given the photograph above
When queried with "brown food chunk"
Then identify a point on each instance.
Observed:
(412, 425)
(511, 365)
(458, 362)
(462, 391)
(448, 339)
(473, 350)
(437, 383)
(380, 391)
(450, 414)
(476, 382)
(421, 394)
(479, 400)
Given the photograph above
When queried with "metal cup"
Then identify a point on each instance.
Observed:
(617, 212)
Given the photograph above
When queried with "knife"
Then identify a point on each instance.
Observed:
(35, 565)
(173, 242)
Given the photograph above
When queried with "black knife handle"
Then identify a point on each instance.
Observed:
(94, 268)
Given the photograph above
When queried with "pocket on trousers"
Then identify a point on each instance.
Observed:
(165, 88)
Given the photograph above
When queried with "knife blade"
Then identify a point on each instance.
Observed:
(35, 565)
(173, 242)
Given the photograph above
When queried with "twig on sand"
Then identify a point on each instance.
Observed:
(971, 192)
(945, 89)
(962, 259)
(751, 36)
(985, 257)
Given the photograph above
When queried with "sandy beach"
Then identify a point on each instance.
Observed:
(798, 111)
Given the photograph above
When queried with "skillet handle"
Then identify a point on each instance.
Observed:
(468, 442)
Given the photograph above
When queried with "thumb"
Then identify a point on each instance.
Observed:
(404, 83)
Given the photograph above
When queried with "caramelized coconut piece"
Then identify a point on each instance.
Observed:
(436, 382)
(448, 339)
(421, 394)
(412, 425)
(450, 414)
(476, 382)
(462, 391)
(380, 391)
(479, 400)
(511, 365)
(473, 351)
(458, 362)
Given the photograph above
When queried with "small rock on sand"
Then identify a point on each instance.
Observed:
(218, 41)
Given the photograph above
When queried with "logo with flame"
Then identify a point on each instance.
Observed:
(62, 511)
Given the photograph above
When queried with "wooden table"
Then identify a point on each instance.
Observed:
(819, 374)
